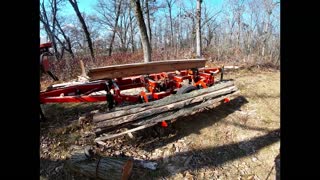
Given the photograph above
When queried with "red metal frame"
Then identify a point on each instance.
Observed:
(46, 45)
(159, 86)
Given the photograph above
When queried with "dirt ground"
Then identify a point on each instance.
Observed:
(237, 140)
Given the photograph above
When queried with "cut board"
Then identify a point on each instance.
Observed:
(126, 70)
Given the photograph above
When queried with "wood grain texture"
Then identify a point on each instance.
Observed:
(151, 121)
(125, 70)
(107, 168)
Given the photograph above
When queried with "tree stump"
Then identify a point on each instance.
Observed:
(99, 167)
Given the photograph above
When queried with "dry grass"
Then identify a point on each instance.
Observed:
(220, 127)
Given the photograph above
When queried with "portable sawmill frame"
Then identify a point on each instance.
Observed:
(160, 79)
(158, 85)
(157, 80)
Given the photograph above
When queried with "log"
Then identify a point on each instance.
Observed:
(106, 168)
(151, 121)
(186, 111)
(126, 70)
(165, 108)
(118, 112)
(231, 67)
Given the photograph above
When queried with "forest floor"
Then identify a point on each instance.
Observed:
(237, 140)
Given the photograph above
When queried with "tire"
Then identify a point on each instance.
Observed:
(186, 89)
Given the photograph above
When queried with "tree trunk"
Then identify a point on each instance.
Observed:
(50, 32)
(115, 28)
(198, 28)
(74, 4)
(54, 17)
(143, 31)
(266, 34)
(67, 39)
(171, 25)
(193, 37)
(239, 29)
(148, 23)
(156, 35)
(69, 47)
(131, 30)
(179, 43)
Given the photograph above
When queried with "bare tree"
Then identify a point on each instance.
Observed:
(109, 12)
(239, 30)
(50, 26)
(73, 31)
(189, 23)
(132, 32)
(269, 6)
(209, 25)
(74, 4)
(170, 3)
(115, 25)
(66, 44)
(143, 30)
(124, 27)
(148, 23)
(198, 28)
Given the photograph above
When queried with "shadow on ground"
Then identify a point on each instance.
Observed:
(217, 156)
(207, 157)
(50, 169)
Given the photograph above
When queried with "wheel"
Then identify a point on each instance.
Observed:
(186, 89)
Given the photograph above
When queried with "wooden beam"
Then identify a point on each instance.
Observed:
(107, 122)
(102, 138)
(126, 70)
(148, 122)
(165, 108)
(212, 103)
(122, 111)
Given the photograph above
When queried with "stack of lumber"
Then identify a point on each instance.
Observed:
(140, 116)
